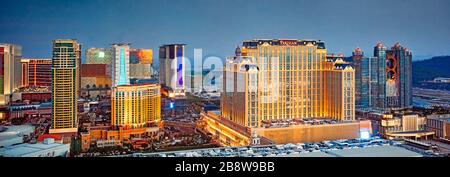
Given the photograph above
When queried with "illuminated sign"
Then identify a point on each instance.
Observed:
(145, 56)
(364, 134)
(288, 42)
(101, 54)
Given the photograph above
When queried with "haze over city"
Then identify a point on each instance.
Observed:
(218, 26)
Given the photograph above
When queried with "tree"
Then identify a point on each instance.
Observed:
(88, 88)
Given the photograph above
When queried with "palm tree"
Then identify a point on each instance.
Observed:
(88, 88)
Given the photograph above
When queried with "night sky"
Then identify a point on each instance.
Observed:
(218, 26)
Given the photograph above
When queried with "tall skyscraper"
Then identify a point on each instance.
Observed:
(65, 85)
(339, 89)
(360, 78)
(399, 77)
(172, 67)
(10, 71)
(383, 81)
(121, 64)
(36, 72)
(369, 80)
(240, 98)
(380, 91)
(286, 79)
(134, 106)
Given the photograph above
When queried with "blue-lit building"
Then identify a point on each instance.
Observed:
(121, 64)
(369, 80)
(383, 81)
(399, 72)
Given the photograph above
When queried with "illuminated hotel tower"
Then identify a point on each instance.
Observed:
(399, 77)
(10, 71)
(172, 67)
(339, 90)
(135, 106)
(121, 64)
(65, 84)
(370, 79)
(36, 72)
(286, 79)
(380, 53)
(385, 80)
(239, 101)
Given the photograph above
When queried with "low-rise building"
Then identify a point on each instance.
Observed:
(48, 148)
(33, 110)
(229, 133)
(12, 135)
(399, 125)
(439, 124)
(104, 136)
(95, 79)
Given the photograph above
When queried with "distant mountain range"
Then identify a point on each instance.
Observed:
(427, 70)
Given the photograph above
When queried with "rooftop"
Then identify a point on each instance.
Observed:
(10, 135)
(170, 45)
(376, 151)
(283, 42)
(22, 150)
(56, 137)
(16, 130)
(372, 147)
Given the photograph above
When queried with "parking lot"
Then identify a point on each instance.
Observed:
(375, 146)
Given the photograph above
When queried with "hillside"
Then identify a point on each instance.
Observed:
(426, 70)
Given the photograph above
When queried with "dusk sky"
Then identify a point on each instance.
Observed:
(218, 26)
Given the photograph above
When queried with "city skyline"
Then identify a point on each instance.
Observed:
(218, 26)
(225, 78)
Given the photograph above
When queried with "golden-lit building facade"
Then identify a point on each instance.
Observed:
(291, 83)
(239, 101)
(395, 125)
(135, 106)
(339, 90)
(65, 85)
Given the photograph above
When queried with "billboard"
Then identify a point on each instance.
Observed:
(141, 56)
(180, 81)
